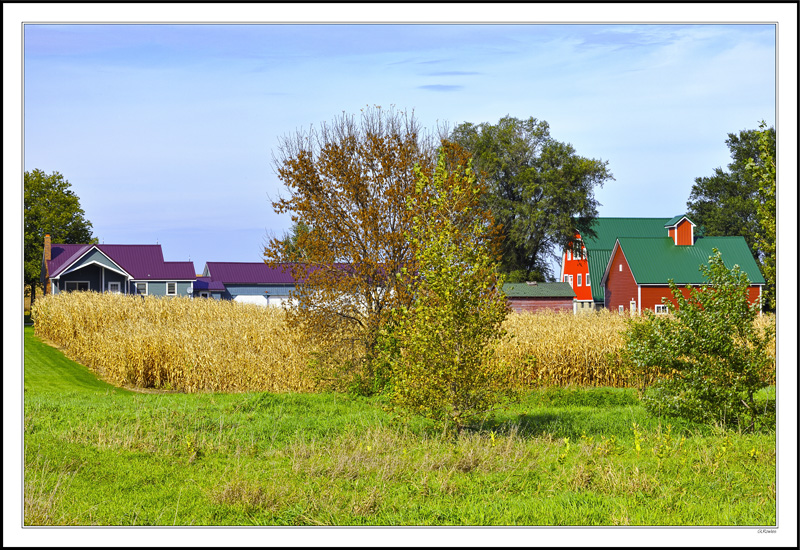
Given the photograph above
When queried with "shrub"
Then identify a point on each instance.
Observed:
(444, 363)
(710, 355)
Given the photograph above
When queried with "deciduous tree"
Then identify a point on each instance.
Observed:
(444, 365)
(727, 202)
(50, 207)
(763, 168)
(540, 190)
(347, 182)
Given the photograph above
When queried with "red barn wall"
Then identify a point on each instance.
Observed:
(620, 287)
(533, 305)
(574, 267)
(651, 295)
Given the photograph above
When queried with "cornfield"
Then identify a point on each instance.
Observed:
(177, 343)
(224, 346)
(559, 349)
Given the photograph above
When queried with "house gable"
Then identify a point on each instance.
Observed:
(94, 256)
(619, 281)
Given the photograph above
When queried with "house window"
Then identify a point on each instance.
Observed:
(569, 254)
(570, 280)
(588, 283)
(580, 280)
(114, 287)
(661, 309)
(172, 289)
(71, 286)
(141, 288)
(622, 309)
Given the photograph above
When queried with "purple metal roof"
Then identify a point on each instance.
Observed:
(205, 283)
(140, 261)
(248, 273)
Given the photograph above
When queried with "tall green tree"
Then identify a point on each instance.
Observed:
(50, 207)
(540, 190)
(726, 203)
(763, 168)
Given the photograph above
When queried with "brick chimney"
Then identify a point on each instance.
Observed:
(48, 255)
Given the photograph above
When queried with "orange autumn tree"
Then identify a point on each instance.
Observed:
(347, 184)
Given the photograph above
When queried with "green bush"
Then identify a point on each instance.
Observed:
(708, 354)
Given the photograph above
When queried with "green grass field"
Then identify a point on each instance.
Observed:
(99, 455)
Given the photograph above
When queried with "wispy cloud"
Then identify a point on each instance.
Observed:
(441, 87)
(453, 73)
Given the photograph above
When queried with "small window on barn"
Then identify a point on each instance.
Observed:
(569, 254)
(622, 309)
(580, 280)
(620, 267)
(570, 280)
(588, 281)
(172, 289)
(661, 309)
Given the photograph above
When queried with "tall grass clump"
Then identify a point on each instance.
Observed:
(175, 343)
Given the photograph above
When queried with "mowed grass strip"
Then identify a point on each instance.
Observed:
(97, 455)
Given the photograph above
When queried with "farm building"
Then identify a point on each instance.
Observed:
(585, 265)
(533, 297)
(116, 268)
(631, 260)
(250, 282)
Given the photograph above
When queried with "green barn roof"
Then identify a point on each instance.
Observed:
(608, 229)
(675, 220)
(598, 260)
(538, 290)
(654, 261)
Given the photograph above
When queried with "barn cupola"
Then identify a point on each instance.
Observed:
(681, 230)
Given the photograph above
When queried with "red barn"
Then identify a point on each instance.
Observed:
(583, 267)
(637, 274)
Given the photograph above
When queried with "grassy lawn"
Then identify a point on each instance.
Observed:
(99, 455)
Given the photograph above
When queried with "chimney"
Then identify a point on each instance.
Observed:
(47, 257)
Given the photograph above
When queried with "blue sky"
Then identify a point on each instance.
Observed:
(166, 132)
